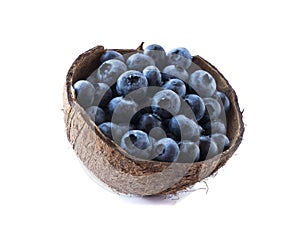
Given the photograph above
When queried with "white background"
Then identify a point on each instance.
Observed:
(46, 196)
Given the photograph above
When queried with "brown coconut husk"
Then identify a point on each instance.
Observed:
(124, 173)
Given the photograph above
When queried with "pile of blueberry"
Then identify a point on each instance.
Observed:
(156, 105)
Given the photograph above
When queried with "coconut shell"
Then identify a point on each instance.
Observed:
(122, 172)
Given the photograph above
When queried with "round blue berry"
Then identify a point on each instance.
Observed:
(139, 61)
(114, 131)
(189, 152)
(180, 56)
(208, 148)
(131, 81)
(96, 114)
(122, 109)
(221, 141)
(110, 71)
(165, 150)
(85, 92)
(196, 104)
(147, 122)
(153, 76)
(136, 143)
(202, 83)
(184, 128)
(176, 85)
(213, 108)
(157, 53)
(111, 54)
(175, 71)
(223, 100)
(218, 127)
(166, 103)
(113, 103)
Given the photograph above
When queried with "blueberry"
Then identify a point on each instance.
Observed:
(213, 108)
(110, 71)
(174, 71)
(113, 103)
(197, 105)
(153, 76)
(221, 141)
(189, 152)
(208, 148)
(122, 110)
(203, 83)
(165, 150)
(166, 103)
(136, 143)
(225, 107)
(147, 122)
(114, 131)
(218, 127)
(152, 125)
(223, 100)
(131, 81)
(215, 126)
(84, 93)
(97, 114)
(139, 61)
(157, 53)
(103, 94)
(184, 128)
(180, 56)
(176, 85)
(111, 54)
(106, 129)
